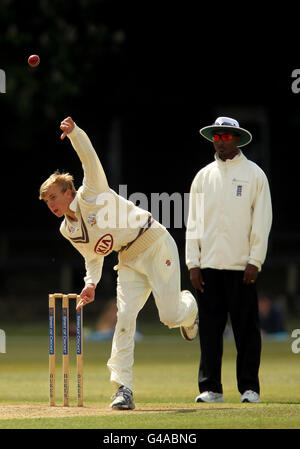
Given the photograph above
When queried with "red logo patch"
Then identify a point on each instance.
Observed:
(168, 262)
(104, 245)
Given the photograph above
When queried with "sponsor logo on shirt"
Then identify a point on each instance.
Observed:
(104, 244)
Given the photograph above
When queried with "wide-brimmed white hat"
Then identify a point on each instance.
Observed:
(226, 123)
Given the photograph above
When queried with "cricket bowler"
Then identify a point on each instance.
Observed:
(97, 221)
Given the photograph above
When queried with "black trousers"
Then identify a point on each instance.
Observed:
(225, 293)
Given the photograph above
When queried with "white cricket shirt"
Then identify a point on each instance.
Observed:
(230, 215)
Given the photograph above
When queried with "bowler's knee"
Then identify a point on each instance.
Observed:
(125, 320)
(169, 318)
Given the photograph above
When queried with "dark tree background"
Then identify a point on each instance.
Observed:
(141, 78)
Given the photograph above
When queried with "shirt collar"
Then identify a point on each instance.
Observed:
(73, 204)
(229, 161)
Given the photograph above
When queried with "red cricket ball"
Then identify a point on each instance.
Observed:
(33, 60)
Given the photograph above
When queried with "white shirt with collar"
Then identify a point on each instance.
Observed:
(230, 215)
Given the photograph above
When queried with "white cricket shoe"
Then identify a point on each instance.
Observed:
(123, 399)
(189, 333)
(209, 396)
(250, 396)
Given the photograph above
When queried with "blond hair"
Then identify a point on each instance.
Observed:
(63, 180)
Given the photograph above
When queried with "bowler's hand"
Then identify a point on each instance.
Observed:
(86, 296)
(67, 126)
(250, 274)
(196, 279)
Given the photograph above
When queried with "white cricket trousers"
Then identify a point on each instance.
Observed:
(158, 270)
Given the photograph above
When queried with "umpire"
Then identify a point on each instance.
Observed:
(229, 221)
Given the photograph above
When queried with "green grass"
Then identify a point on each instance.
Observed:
(165, 386)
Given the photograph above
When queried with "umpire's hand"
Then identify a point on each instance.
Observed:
(196, 279)
(250, 274)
